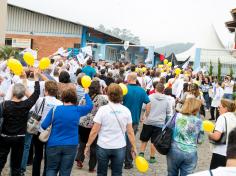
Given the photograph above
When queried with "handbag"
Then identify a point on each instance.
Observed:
(162, 142)
(223, 137)
(34, 119)
(44, 136)
(1, 116)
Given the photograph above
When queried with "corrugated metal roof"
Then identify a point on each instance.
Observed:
(42, 13)
(25, 21)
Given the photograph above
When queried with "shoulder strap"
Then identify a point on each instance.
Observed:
(211, 172)
(225, 125)
(118, 122)
(41, 106)
(170, 121)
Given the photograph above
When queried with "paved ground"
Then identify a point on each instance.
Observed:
(157, 169)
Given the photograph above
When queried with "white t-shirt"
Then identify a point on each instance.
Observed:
(220, 126)
(220, 171)
(111, 136)
(149, 82)
(50, 102)
(229, 88)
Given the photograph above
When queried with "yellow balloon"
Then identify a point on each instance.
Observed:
(86, 81)
(44, 63)
(10, 62)
(15, 66)
(29, 59)
(160, 66)
(144, 69)
(208, 126)
(165, 61)
(124, 88)
(137, 69)
(141, 164)
(177, 71)
(170, 64)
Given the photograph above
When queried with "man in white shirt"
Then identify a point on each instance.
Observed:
(230, 169)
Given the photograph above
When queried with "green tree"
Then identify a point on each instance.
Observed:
(231, 71)
(219, 70)
(6, 52)
(210, 69)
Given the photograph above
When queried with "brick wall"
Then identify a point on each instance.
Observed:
(47, 45)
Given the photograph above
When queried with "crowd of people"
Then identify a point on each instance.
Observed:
(101, 122)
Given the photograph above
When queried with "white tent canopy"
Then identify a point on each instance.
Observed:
(208, 40)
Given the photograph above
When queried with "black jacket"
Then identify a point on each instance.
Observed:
(15, 114)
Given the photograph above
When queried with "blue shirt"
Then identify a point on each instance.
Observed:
(65, 123)
(90, 71)
(134, 100)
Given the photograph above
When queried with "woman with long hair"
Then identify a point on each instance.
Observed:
(86, 124)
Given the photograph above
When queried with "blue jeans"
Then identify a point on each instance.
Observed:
(28, 139)
(207, 99)
(180, 162)
(228, 96)
(117, 157)
(60, 159)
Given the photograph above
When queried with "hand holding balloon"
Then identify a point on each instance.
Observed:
(208, 126)
(141, 164)
(86, 82)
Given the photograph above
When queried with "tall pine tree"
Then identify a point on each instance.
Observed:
(219, 70)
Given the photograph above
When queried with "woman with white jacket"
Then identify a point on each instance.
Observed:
(217, 94)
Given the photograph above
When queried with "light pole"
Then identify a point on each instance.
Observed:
(3, 21)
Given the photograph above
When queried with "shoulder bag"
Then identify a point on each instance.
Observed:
(223, 137)
(44, 136)
(1, 116)
(163, 140)
(119, 123)
(34, 119)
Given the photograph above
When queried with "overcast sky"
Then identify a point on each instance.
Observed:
(154, 21)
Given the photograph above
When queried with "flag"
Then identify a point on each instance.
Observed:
(87, 50)
(162, 57)
(80, 58)
(186, 63)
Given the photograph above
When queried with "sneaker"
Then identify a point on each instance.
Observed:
(152, 160)
(128, 166)
(79, 164)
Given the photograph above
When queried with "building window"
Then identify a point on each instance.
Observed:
(76, 45)
(111, 54)
(8, 42)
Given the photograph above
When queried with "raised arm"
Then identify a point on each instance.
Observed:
(34, 97)
(85, 109)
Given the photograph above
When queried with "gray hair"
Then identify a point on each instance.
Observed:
(18, 91)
